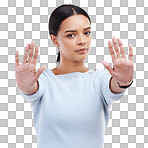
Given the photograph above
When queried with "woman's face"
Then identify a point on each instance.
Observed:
(74, 34)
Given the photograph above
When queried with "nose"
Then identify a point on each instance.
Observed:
(81, 40)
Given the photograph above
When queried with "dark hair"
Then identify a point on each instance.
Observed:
(60, 14)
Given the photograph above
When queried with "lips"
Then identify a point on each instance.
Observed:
(82, 49)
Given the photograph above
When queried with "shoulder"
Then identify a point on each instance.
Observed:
(102, 77)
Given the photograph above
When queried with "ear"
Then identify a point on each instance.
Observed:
(54, 40)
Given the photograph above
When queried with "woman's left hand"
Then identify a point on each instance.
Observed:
(123, 69)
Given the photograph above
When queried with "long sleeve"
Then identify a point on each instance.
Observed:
(106, 95)
(109, 96)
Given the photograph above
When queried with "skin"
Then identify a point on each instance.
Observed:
(68, 43)
(71, 61)
(123, 69)
(25, 73)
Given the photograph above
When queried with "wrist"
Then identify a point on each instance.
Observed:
(124, 85)
(32, 90)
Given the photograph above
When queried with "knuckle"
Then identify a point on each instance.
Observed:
(122, 51)
(114, 42)
(107, 66)
(40, 70)
(35, 56)
(120, 44)
(110, 47)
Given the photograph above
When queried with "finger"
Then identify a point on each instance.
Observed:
(130, 53)
(17, 58)
(31, 52)
(26, 53)
(35, 55)
(111, 50)
(38, 73)
(121, 48)
(108, 67)
(116, 47)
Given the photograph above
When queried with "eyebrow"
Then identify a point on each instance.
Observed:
(76, 30)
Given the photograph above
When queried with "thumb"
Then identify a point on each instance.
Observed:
(38, 73)
(108, 67)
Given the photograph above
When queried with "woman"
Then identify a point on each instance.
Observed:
(71, 102)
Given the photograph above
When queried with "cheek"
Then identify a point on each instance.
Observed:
(89, 39)
(69, 45)
(67, 42)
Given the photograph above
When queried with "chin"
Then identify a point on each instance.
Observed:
(82, 58)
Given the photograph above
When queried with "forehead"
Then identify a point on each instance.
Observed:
(75, 22)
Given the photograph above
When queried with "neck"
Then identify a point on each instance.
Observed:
(68, 66)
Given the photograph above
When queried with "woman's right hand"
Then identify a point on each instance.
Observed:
(25, 73)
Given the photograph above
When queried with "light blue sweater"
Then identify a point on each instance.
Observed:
(72, 110)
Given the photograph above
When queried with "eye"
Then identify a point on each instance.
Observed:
(70, 35)
(88, 32)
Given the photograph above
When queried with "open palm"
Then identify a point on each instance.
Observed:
(25, 73)
(122, 69)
